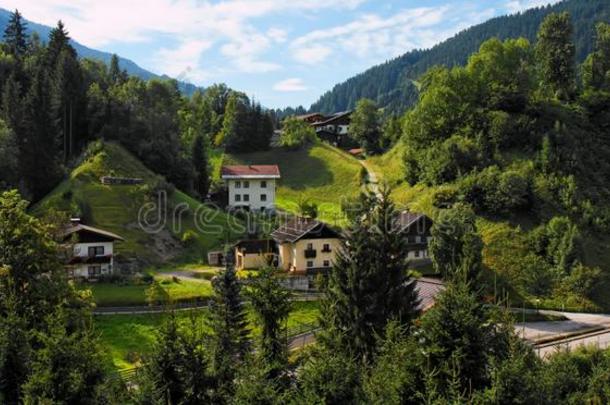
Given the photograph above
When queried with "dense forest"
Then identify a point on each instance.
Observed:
(391, 85)
(54, 104)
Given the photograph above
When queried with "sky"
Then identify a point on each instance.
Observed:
(280, 52)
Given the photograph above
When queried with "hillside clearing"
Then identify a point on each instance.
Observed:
(320, 173)
(179, 236)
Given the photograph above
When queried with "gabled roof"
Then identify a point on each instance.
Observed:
(406, 219)
(250, 172)
(333, 118)
(302, 228)
(80, 228)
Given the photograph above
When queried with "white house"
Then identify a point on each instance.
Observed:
(251, 186)
(92, 251)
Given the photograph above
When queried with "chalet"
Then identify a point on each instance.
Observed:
(306, 246)
(311, 118)
(416, 228)
(251, 186)
(255, 254)
(337, 124)
(92, 254)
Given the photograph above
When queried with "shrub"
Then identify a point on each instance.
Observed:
(189, 237)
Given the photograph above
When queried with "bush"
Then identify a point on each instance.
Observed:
(189, 237)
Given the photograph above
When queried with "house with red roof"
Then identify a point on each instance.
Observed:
(251, 186)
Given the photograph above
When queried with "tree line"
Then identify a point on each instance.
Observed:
(54, 104)
(392, 85)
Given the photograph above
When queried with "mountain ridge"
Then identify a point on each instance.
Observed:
(83, 51)
(391, 84)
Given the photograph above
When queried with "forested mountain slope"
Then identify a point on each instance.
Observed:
(85, 52)
(390, 84)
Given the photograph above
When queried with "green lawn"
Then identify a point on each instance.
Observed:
(127, 337)
(114, 295)
(320, 173)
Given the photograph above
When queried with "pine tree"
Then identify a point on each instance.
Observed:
(58, 41)
(15, 35)
(230, 329)
(368, 285)
(199, 156)
(271, 304)
(555, 52)
(117, 76)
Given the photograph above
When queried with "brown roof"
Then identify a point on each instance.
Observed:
(78, 228)
(428, 290)
(298, 228)
(256, 246)
(407, 218)
(334, 117)
(252, 171)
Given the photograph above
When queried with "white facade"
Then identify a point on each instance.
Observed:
(97, 259)
(256, 193)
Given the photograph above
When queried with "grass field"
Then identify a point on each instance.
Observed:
(127, 337)
(116, 208)
(321, 174)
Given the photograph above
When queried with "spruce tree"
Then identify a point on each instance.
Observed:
(369, 285)
(555, 52)
(199, 156)
(271, 304)
(15, 35)
(229, 324)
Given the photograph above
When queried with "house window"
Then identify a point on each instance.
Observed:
(418, 239)
(237, 197)
(326, 248)
(263, 197)
(246, 197)
(326, 263)
(96, 250)
(238, 184)
(94, 271)
(309, 263)
(264, 184)
(417, 253)
(246, 184)
(310, 246)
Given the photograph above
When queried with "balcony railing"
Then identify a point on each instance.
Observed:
(310, 253)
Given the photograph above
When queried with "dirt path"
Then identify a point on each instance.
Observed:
(372, 179)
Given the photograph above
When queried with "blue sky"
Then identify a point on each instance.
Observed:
(281, 52)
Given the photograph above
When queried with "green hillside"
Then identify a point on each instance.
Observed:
(116, 207)
(390, 84)
(321, 174)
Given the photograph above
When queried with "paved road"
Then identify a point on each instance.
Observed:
(599, 339)
(536, 331)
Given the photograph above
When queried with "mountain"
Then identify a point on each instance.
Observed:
(85, 52)
(393, 84)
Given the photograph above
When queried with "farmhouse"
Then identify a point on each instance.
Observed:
(255, 254)
(306, 246)
(416, 228)
(251, 186)
(92, 254)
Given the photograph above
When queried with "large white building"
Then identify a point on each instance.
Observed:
(251, 186)
(92, 251)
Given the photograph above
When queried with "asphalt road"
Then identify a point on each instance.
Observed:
(599, 339)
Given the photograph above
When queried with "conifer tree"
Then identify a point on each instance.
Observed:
(555, 52)
(199, 156)
(271, 304)
(230, 329)
(369, 285)
(15, 35)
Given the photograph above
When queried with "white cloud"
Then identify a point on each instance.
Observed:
(372, 34)
(182, 61)
(311, 55)
(293, 84)
(514, 6)
(225, 23)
